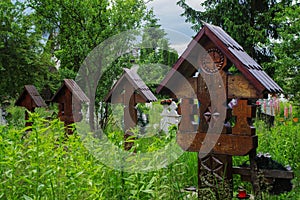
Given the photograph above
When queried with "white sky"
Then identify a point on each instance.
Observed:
(179, 31)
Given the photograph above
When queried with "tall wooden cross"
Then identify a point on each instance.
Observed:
(129, 90)
(206, 66)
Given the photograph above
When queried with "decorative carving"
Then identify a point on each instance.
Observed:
(243, 112)
(213, 165)
(239, 87)
(213, 61)
(211, 116)
(212, 171)
(236, 145)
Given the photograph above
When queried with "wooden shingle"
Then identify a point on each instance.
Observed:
(30, 98)
(141, 89)
(72, 86)
(234, 52)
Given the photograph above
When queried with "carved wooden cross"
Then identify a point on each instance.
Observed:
(243, 113)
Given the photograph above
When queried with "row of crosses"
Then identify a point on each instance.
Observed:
(69, 98)
(202, 80)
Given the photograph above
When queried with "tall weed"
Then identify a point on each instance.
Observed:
(44, 163)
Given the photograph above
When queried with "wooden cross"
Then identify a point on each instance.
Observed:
(243, 113)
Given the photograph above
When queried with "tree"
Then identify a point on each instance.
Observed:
(77, 27)
(287, 50)
(155, 53)
(22, 60)
(250, 23)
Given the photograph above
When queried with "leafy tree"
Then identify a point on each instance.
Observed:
(22, 60)
(76, 27)
(155, 53)
(286, 50)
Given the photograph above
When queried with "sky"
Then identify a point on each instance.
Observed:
(179, 32)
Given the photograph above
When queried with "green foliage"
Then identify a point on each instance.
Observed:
(16, 116)
(45, 164)
(22, 60)
(286, 51)
(75, 28)
(282, 142)
(268, 31)
(156, 55)
(283, 150)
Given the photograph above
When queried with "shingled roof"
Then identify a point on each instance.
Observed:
(75, 90)
(137, 83)
(33, 94)
(235, 53)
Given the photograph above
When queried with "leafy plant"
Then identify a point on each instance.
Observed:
(44, 163)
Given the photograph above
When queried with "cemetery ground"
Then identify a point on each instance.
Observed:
(42, 164)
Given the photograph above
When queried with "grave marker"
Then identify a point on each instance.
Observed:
(30, 99)
(69, 98)
(202, 68)
(129, 90)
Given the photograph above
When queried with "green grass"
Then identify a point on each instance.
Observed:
(43, 164)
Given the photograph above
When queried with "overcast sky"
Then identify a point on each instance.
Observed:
(179, 31)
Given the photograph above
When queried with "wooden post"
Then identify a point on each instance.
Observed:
(214, 170)
(215, 173)
(251, 82)
(188, 109)
(243, 112)
(254, 174)
(130, 115)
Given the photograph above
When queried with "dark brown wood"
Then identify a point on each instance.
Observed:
(183, 87)
(234, 53)
(129, 90)
(205, 104)
(30, 99)
(236, 61)
(130, 115)
(130, 77)
(188, 109)
(267, 173)
(239, 87)
(214, 174)
(69, 98)
(211, 54)
(235, 145)
(254, 173)
(243, 112)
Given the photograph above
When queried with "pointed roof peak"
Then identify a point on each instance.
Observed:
(234, 52)
(136, 82)
(34, 95)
